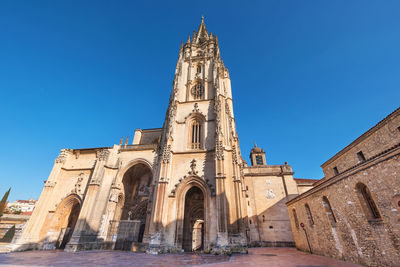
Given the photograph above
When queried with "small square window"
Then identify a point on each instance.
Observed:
(361, 156)
(259, 160)
(335, 170)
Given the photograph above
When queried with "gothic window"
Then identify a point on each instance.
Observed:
(329, 211)
(196, 134)
(367, 203)
(309, 215)
(259, 160)
(296, 221)
(197, 91)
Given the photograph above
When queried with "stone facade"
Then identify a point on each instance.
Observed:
(182, 186)
(355, 214)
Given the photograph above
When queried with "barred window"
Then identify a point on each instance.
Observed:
(259, 160)
(197, 91)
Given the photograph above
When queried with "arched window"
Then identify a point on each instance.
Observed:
(309, 215)
(296, 221)
(329, 211)
(197, 91)
(196, 134)
(367, 203)
(199, 69)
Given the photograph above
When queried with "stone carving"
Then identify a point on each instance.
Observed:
(130, 215)
(196, 108)
(270, 194)
(77, 187)
(48, 183)
(113, 198)
(234, 155)
(227, 110)
(193, 167)
(103, 154)
(171, 113)
(219, 150)
(166, 155)
(63, 155)
(209, 184)
(144, 190)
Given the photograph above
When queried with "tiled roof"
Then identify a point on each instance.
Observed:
(303, 180)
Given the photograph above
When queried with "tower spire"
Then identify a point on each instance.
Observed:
(202, 33)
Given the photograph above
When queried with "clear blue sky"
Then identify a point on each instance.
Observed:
(308, 77)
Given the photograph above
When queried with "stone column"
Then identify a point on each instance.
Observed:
(156, 226)
(222, 235)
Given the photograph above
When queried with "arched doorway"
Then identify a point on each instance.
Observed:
(130, 215)
(69, 229)
(57, 230)
(193, 222)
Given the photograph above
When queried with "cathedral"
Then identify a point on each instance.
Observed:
(182, 187)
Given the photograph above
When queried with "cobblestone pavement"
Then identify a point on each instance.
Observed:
(282, 257)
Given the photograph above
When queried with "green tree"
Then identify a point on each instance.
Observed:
(10, 233)
(3, 202)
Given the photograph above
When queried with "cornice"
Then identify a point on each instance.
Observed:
(363, 136)
(77, 169)
(193, 151)
(378, 158)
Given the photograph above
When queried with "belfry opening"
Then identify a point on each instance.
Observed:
(193, 224)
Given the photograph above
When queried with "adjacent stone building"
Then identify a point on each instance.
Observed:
(184, 186)
(354, 212)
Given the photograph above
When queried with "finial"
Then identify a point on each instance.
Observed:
(255, 144)
(126, 142)
(188, 40)
(122, 140)
(202, 19)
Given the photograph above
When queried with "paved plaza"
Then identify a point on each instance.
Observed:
(282, 257)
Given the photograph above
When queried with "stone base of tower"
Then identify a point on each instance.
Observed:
(228, 244)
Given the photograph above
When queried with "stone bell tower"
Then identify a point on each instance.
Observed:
(199, 159)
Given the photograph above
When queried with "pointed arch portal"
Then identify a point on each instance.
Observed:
(193, 223)
(130, 217)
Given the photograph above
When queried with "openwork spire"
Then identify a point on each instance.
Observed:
(202, 33)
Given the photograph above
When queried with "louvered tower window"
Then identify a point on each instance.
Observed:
(196, 134)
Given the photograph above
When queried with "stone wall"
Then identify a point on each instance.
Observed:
(269, 187)
(382, 136)
(354, 236)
